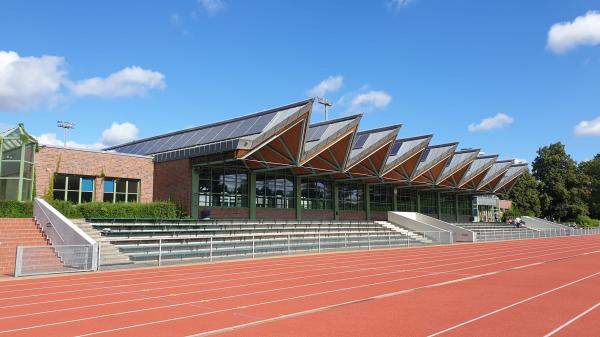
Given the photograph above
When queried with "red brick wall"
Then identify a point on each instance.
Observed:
(92, 163)
(378, 216)
(227, 213)
(273, 213)
(353, 215)
(173, 181)
(314, 214)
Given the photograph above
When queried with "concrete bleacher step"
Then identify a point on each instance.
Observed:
(109, 254)
(410, 234)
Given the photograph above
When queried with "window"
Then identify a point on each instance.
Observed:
(73, 188)
(406, 200)
(222, 187)
(465, 207)
(352, 197)
(448, 207)
(316, 193)
(121, 190)
(380, 197)
(274, 190)
(429, 203)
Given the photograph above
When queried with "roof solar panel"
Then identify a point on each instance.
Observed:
(360, 141)
(395, 148)
(260, 124)
(316, 133)
(425, 154)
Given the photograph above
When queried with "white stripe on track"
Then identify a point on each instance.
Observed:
(572, 320)
(514, 304)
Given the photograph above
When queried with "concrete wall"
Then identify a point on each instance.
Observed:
(50, 160)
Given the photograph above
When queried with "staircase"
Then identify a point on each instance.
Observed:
(23, 232)
(109, 253)
(412, 235)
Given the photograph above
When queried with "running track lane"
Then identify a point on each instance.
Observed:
(186, 300)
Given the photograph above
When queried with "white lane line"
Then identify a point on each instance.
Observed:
(272, 290)
(395, 293)
(138, 291)
(514, 304)
(432, 259)
(572, 320)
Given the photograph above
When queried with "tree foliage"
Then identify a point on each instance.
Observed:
(562, 185)
(591, 169)
(525, 195)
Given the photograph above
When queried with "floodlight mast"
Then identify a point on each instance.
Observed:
(326, 103)
(65, 126)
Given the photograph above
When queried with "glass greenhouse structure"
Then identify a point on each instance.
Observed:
(17, 157)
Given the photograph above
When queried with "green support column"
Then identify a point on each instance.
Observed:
(195, 186)
(33, 187)
(367, 202)
(252, 196)
(418, 202)
(336, 201)
(21, 169)
(395, 200)
(439, 205)
(456, 208)
(297, 191)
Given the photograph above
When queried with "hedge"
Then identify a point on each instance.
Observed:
(152, 210)
(586, 221)
(15, 209)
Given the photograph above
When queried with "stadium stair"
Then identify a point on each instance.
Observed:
(109, 254)
(492, 231)
(23, 232)
(137, 240)
(412, 235)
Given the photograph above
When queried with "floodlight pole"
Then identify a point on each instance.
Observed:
(326, 103)
(65, 126)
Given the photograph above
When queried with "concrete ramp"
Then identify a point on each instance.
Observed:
(420, 223)
(542, 225)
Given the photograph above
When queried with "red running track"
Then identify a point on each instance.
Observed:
(542, 287)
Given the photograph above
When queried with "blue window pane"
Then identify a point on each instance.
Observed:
(87, 184)
(109, 185)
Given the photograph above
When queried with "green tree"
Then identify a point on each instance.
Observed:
(562, 185)
(591, 169)
(525, 195)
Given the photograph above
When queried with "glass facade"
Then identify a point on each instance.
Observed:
(316, 193)
(74, 188)
(222, 187)
(381, 197)
(448, 207)
(17, 155)
(274, 190)
(429, 204)
(406, 200)
(351, 197)
(121, 190)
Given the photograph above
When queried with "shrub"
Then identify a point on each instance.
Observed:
(15, 209)
(152, 210)
(586, 221)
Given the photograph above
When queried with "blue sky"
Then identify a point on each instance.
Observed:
(127, 69)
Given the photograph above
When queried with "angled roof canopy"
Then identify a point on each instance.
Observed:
(433, 161)
(370, 150)
(477, 171)
(404, 156)
(493, 176)
(457, 167)
(327, 145)
(510, 177)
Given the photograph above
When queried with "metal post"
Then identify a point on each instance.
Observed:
(253, 249)
(159, 252)
(319, 240)
(288, 244)
(19, 262)
(389, 239)
(211, 249)
(345, 240)
(369, 240)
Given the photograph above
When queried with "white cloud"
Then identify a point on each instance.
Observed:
(116, 134)
(119, 134)
(130, 81)
(588, 128)
(496, 122)
(213, 6)
(330, 84)
(27, 82)
(369, 101)
(583, 31)
(398, 4)
(520, 161)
